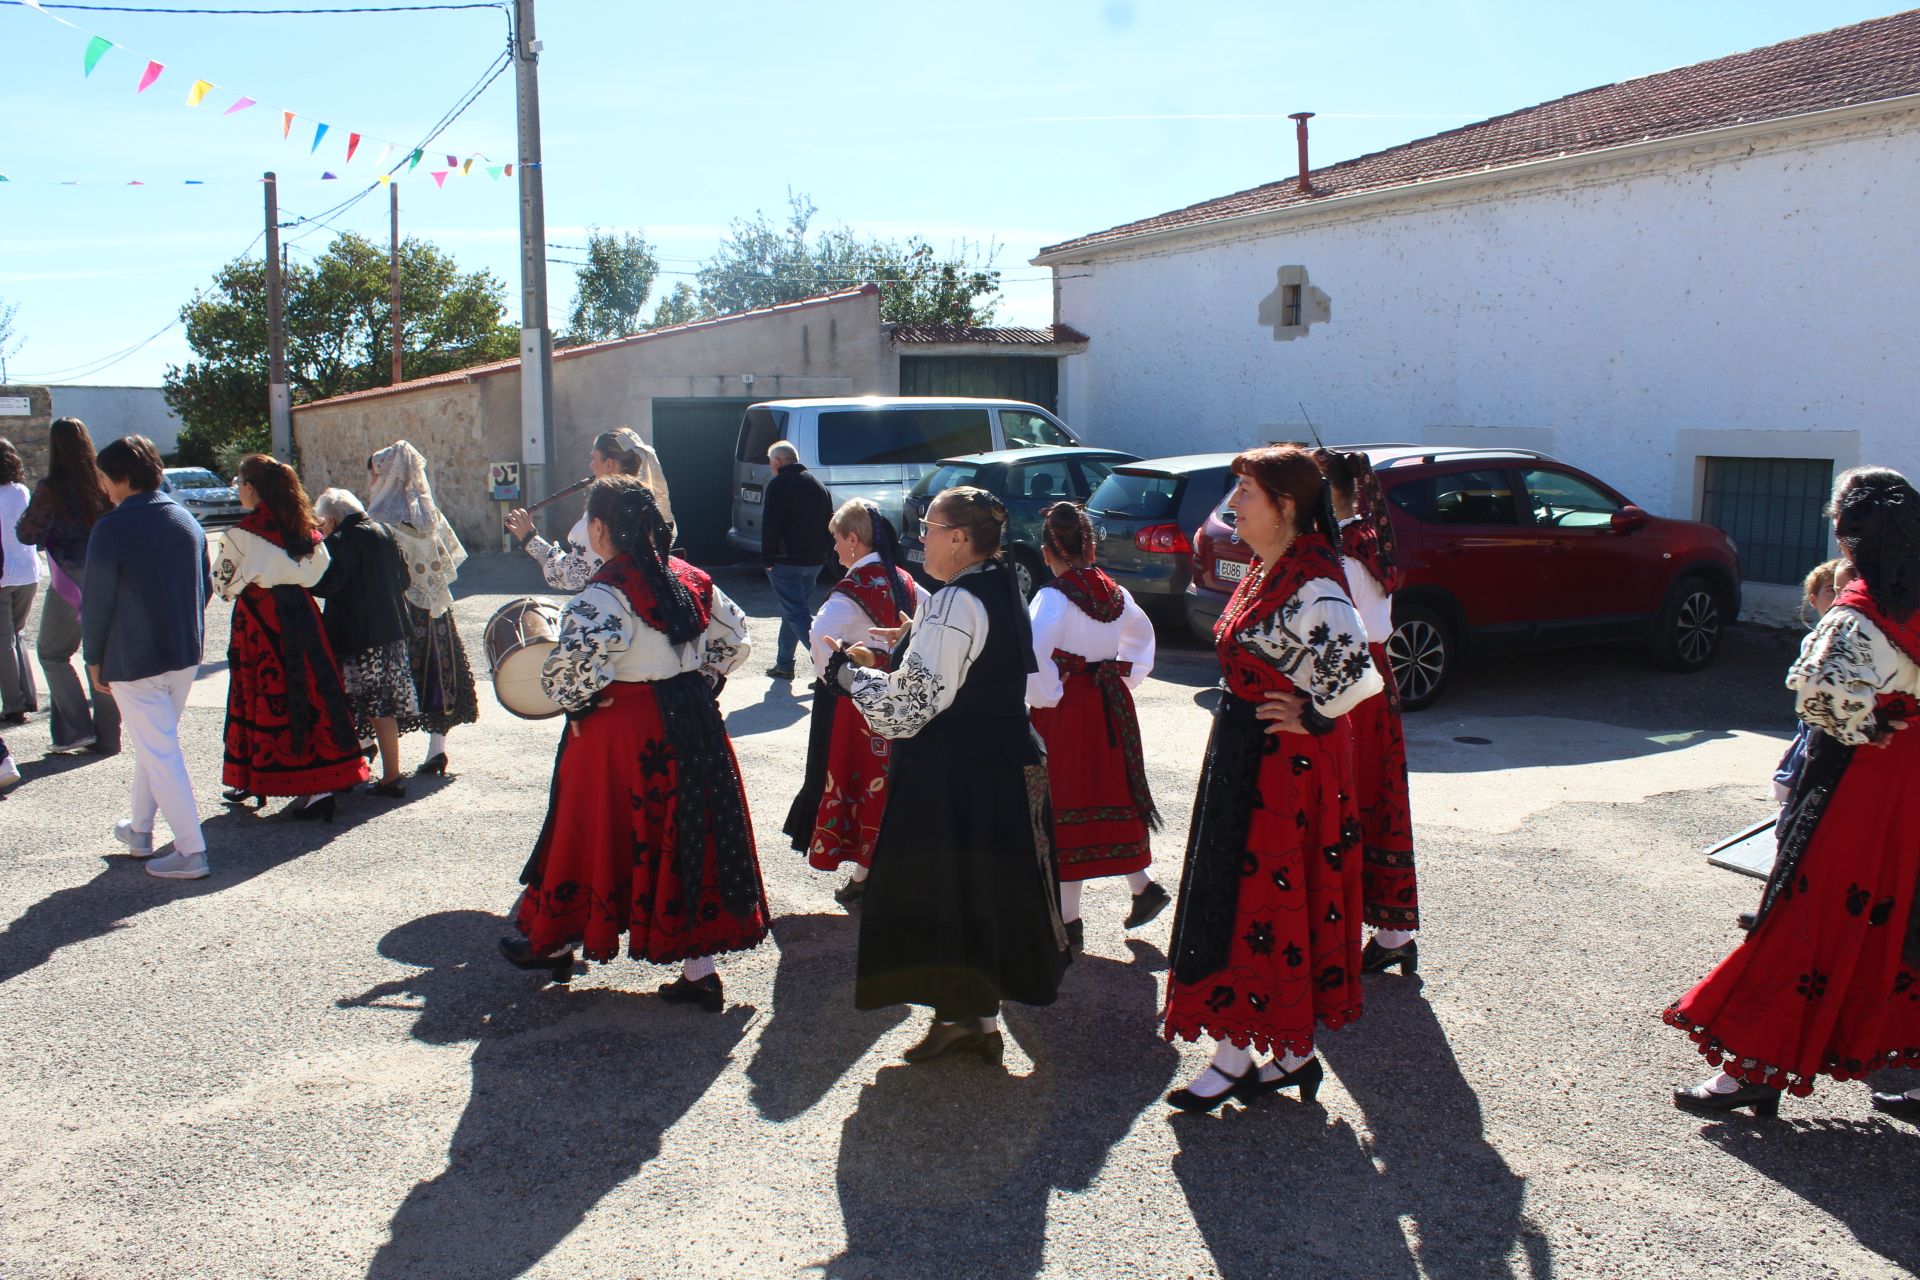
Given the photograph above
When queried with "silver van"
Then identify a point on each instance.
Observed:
(875, 447)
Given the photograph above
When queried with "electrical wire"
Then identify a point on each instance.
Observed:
(240, 13)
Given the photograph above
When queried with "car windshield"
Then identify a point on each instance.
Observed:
(194, 478)
(952, 475)
(1147, 495)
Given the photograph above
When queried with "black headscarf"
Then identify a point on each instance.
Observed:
(886, 545)
(637, 529)
(1876, 517)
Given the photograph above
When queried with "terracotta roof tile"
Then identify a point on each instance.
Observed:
(1866, 62)
(934, 334)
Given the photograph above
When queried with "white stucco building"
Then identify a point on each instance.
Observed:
(1700, 285)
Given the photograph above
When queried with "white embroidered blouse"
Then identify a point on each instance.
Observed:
(603, 641)
(433, 561)
(949, 631)
(1317, 640)
(1370, 599)
(1844, 664)
(842, 618)
(1058, 623)
(248, 560)
(569, 563)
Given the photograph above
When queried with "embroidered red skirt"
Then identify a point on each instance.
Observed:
(1097, 826)
(266, 753)
(854, 794)
(1294, 962)
(1387, 882)
(605, 863)
(1826, 983)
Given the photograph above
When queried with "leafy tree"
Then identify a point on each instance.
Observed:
(679, 307)
(338, 320)
(611, 288)
(761, 265)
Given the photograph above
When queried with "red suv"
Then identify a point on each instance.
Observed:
(1509, 549)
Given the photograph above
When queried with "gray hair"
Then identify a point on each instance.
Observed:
(337, 505)
(782, 451)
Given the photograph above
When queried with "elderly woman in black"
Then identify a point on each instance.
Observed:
(962, 907)
(365, 587)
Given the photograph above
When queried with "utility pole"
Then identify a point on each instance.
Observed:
(393, 271)
(536, 344)
(279, 407)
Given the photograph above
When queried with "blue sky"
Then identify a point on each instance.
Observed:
(1015, 124)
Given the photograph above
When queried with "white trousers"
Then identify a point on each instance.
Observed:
(150, 715)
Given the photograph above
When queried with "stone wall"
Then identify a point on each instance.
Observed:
(28, 433)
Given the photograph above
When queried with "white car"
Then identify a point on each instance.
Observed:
(208, 498)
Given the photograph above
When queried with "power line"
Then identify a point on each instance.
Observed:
(238, 13)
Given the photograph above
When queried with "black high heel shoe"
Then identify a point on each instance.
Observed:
(1763, 1101)
(707, 993)
(240, 795)
(1239, 1086)
(395, 790)
(318, 811)
(558, 964)
(964, 1036)
(1375, 958)
(433, 766)
(1897, 1104)
(1306, 1078)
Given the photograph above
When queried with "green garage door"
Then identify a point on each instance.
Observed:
(695, 440)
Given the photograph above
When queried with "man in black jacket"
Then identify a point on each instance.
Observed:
(794, 543)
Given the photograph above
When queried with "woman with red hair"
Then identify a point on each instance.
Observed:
(1266, 935)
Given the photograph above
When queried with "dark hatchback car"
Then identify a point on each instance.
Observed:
(1502, 550)
(1028, 481)
(1145, 515)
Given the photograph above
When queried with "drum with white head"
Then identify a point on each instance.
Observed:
(519, 637)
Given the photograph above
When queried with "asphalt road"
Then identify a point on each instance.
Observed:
(314, 1064)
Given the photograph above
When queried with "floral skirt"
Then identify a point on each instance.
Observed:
(442, 678)
(1387, 882)
(1097, 826)
(379, 682)
(853, 794)
(289, 730)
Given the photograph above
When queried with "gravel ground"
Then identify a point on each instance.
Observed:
(313, 1063)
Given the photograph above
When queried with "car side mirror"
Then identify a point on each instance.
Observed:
(1629, 518)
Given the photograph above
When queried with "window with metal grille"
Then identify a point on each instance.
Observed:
(1771, 507)
(1290, 304)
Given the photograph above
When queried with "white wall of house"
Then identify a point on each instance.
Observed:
(1747, 297)
(113, 412)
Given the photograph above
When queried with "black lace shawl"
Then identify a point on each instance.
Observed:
(1217, 841)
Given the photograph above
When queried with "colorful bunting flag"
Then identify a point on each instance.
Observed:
(385, 178)
(509, 171)
(319, 132)
(286, 124)
(201, 88)
(493, 171)
(329, 177)
(440, 178)
(466, 168)
(240, 104)
(96, 50)
(453, 162)
(386, 153)
(148, 76)
(413, 163)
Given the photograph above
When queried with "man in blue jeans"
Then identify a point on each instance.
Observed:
(794, 543)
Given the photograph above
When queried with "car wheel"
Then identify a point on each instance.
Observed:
(1422, 655)
(1027, 572)
(1690, 628)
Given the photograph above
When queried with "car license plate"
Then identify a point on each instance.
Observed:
(1229, 570)
(916, 556)
(749, 495)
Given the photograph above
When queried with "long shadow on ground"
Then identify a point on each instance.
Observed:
(571, 1094)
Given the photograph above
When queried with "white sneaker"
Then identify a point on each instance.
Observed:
(180, 866)
(9, 772)
(139, 843)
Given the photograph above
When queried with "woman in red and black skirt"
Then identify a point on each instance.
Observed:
(647, 832)
(1266, 934)
(289, 725)
(1828, 981)
(1387, 883)
(1092, 646)
(836, 817)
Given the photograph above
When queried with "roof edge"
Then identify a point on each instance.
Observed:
(1411, 190)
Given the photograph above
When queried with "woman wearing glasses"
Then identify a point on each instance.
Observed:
(961, 909)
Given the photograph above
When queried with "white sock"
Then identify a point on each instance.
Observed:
(859, 873)
(990, 1024)
(1392, 939)
(1284, 1065)
(697, 969)
(1137, 882)
(436, 745)
(1069, 900)
(307, 802)
(1722, 1083)
(1230, 1059)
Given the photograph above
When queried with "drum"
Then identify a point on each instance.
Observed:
(520, 635)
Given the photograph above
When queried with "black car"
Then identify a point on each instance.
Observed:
(1145, 515)
(1028, 481)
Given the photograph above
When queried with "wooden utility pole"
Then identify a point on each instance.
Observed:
(536, 344)
(393, 272)
(279, 407)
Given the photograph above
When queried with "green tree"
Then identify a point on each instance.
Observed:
(679, 307)
(338, 319)
(611, 288)
(760, 265)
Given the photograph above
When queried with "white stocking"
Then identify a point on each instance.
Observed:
(1392, 939)
(436, 745)
(859, 873)
(1069, 900)
(1137, 882)
(697, 969)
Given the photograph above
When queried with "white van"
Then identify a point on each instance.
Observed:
(875, 447)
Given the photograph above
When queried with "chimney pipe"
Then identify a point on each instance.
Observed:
(1300, 119)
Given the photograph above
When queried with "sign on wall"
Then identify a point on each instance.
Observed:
(504, 478)
(16, 406)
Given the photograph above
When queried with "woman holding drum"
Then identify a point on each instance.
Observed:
(403, 501)
(569, 563)
(647, 831)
